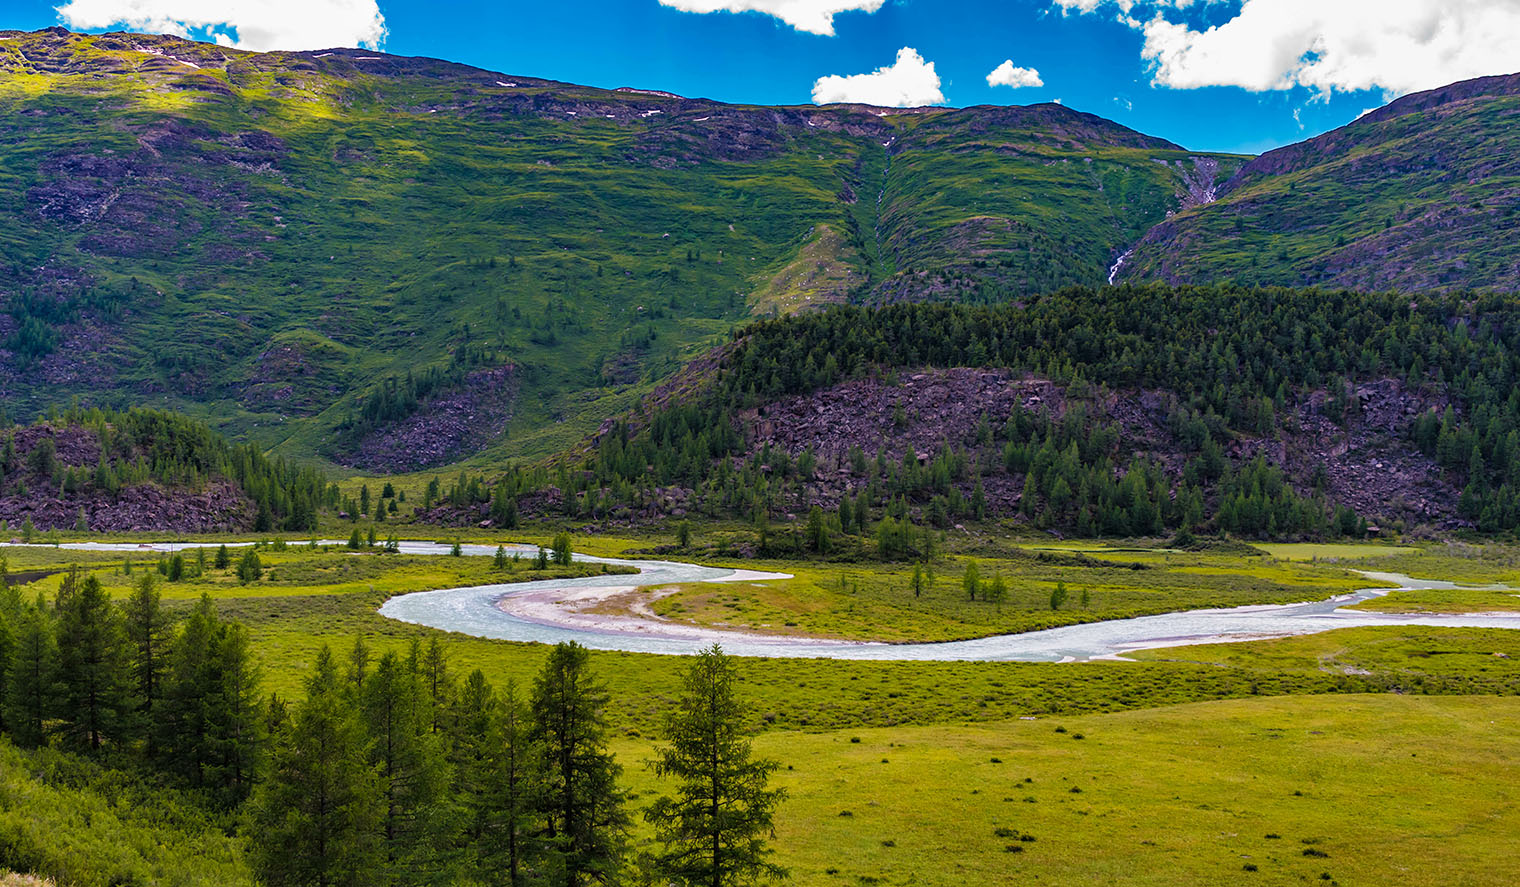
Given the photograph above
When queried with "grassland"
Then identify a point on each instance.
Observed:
(1348, 790)
(869, 602)
(1273, 762)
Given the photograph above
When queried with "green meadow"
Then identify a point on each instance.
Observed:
(1356, 756)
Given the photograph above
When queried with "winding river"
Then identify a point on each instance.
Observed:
(490, 611)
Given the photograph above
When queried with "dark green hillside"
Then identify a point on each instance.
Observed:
(1423, 194)
(265, 240)
(1112, 411)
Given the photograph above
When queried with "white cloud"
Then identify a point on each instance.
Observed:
(1397, 46)
(908, 83)
(1007, 75)
(812, 16)
(259, 25)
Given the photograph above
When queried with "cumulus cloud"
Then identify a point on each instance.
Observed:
(907, 83)
(258, 25)
(1007, 75)
(812, 16)
(1397, 46)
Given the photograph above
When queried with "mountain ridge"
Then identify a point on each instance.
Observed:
(250, 237)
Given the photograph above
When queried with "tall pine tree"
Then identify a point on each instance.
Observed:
(149, 633)
(585, 825)
(31, 679)
(417, 816)
(94, 677)
(317, 817)
(714, 829)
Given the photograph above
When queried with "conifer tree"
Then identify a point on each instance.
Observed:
(584, 822)
(31, 679)
(316, 818)
(149, 633)
(183, 723)
(562, 552)
(492, 760)
(508, 840)
(714, 829)
(972, 580)
(95, 694)
(239, 719)
(439, 682)
(413, 775)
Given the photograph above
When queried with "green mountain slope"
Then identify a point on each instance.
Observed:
(397, 262)
(1422, 194)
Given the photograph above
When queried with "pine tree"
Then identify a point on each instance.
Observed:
(183, 724)
(562, 552)
(223, 559)
(714, 829)
(149, 633)
(94, 674)
(584, 822)
(31, 679)
(414, 779)
(438, 682)
(493, 779)
(508, 840)
(972, 580)
(239, 719)
(316, 819)
(250, 568)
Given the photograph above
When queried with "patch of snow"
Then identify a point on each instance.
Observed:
(701, 120)
(368, 58)
(651, 113)
(505, 83)
(629, 89)
(322, 55)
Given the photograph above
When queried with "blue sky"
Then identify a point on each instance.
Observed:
(1232, 75)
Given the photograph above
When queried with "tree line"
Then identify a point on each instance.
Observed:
(1234, 359)
(139, 446)
(390, 770)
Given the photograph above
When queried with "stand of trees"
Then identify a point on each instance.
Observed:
(125, 685)
(1233, 357)
(141, 446)
(390, 770)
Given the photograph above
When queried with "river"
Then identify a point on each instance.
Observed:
(477, 611)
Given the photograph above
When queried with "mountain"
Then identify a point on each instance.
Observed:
(396, 263)
(1422, 194)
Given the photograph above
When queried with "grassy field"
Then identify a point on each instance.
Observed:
(877, 602)
(1357, 756)
(1364, 790)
